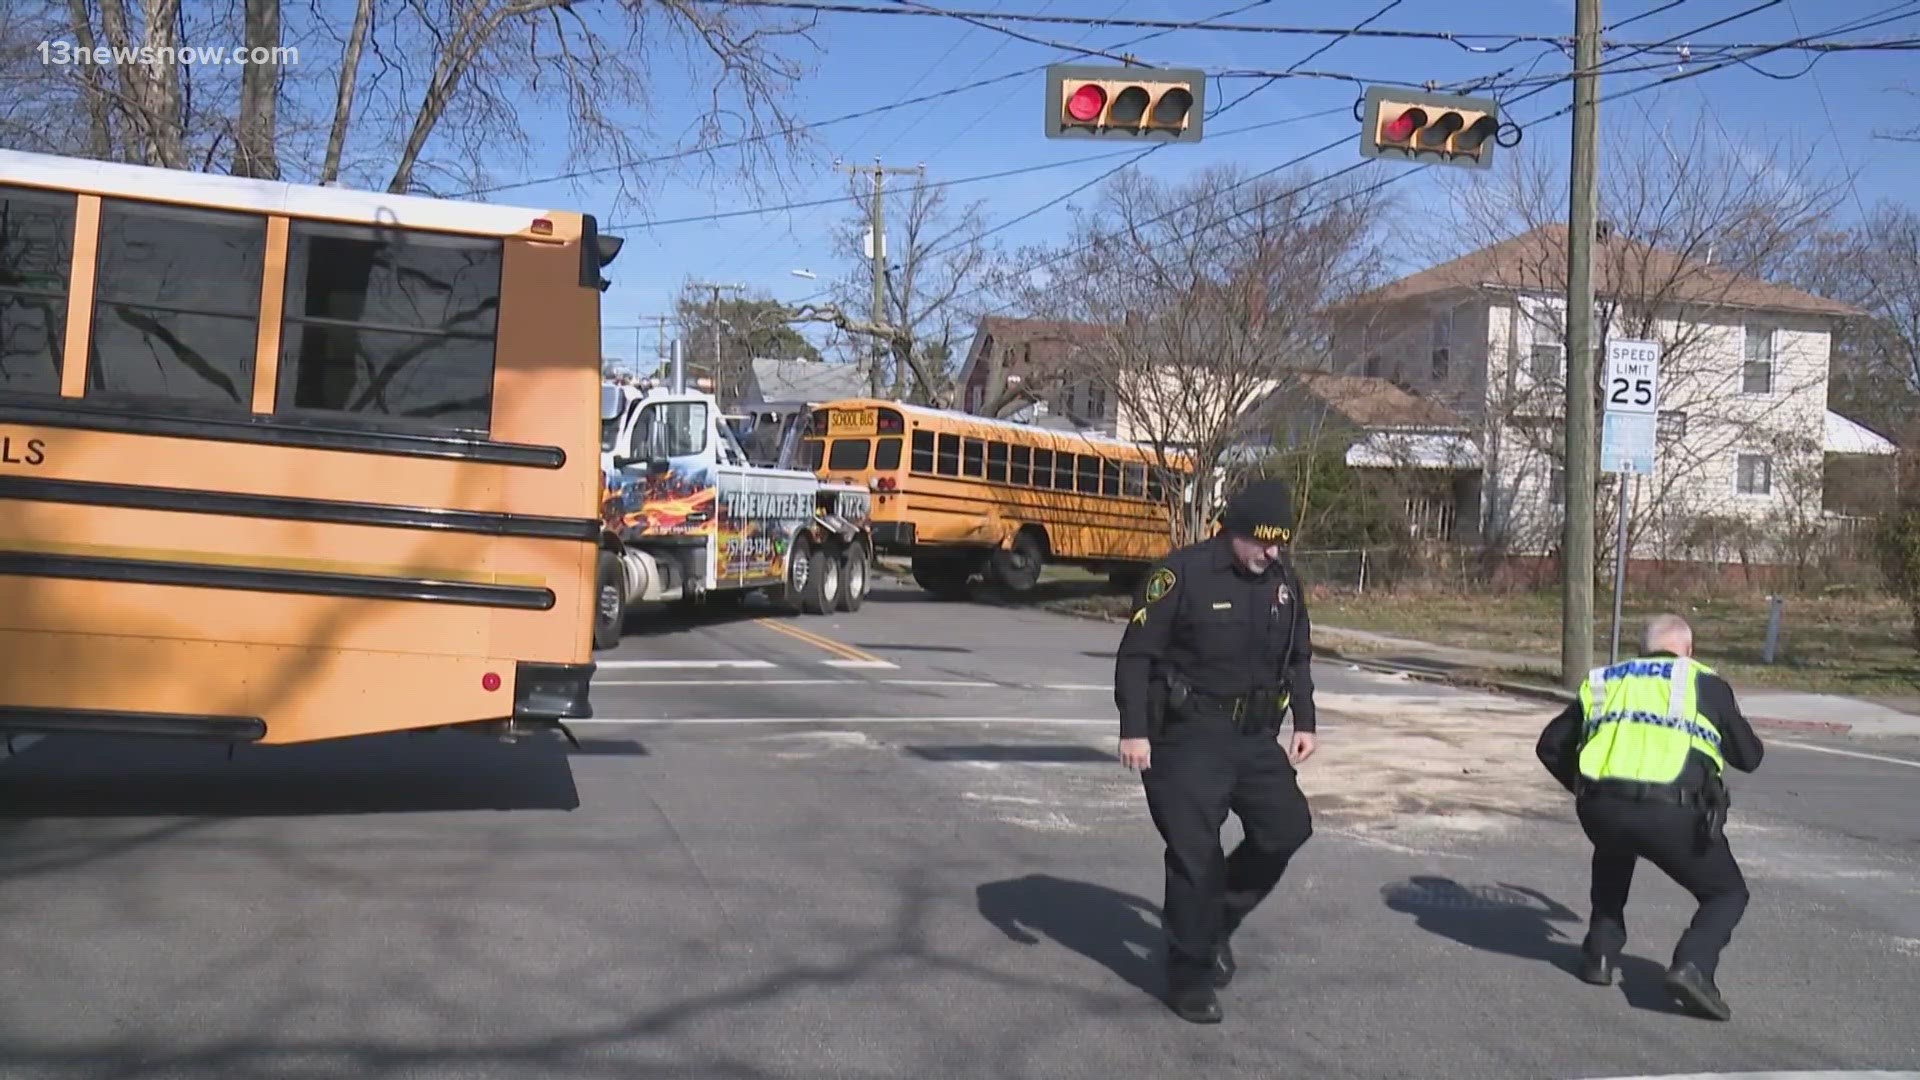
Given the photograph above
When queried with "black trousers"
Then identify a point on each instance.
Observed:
(1202, 768)
(1625, 831)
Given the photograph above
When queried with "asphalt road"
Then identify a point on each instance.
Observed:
(892, 843)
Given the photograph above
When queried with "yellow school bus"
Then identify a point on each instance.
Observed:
(283, 463)
(963, 494)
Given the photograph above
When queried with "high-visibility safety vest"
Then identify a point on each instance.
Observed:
(1641, 721)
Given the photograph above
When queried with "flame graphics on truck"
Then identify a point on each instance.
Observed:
(678, 502)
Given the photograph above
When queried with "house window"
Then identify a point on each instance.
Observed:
(1557, 488)
(1671, 426)
(1545, 363)
(1440, 360)
(1439, 365)
(1373, 368)
(1757, 375)
(1754, 475)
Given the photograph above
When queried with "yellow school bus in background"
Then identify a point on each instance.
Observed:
(282, 463)
(963, 494)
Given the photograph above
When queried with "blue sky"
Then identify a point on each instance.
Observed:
(867, 60)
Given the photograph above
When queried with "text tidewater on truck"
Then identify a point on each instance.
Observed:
(685, 516)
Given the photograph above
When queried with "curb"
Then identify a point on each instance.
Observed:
(1550, 693)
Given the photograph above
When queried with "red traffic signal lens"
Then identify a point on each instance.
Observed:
(1402, 127)
(1085, 103)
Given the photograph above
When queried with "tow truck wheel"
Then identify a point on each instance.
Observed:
(609, 602)
(853, 577)
(823, 589)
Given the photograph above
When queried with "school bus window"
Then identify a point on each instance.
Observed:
(923, 451)
(1022, 470)
(394, 327)
(816, 454)
(1133, 481)
(177, 305)
(997, 462)
(1042, 468)
(36, 253)
(849, 455)
(1109, 478)
(1063, 472)
(886, 454)
(1089, 474)
(972, 454)
(949, 455)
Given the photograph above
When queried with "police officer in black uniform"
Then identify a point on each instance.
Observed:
(1215, 654)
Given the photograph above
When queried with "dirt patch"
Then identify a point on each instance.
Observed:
(1459, 764)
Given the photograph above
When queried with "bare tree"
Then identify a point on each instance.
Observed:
(741, 328)
(1691, 232)
(417, 97)
(1207, 296)
(1874, 264)
(938, 260)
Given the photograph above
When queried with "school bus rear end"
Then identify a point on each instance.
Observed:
(284, 464)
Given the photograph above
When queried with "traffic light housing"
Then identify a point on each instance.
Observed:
(1442, 129)
(1106, 101)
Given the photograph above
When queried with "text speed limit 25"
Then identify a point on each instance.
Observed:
(1633, 376)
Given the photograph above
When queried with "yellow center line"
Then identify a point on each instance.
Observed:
(840, 649)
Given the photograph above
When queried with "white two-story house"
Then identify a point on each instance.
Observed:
(1743, 421)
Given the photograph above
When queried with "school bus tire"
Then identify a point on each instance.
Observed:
(855, 568)
(943, 577)
(1016, 569)
(609, 601)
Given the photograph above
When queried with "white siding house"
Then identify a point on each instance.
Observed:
(1744, 427)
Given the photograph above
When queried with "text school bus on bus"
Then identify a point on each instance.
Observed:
(963, 494)
(287, 463)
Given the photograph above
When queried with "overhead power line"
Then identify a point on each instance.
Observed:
(1345, 141)
(979, 178)
(1464, 39)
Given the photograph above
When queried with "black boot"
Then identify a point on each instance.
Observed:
(1598, 970)
(1195, 1004)
(1696, 992)
(1223, 965)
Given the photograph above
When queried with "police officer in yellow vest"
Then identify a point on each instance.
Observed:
(1643, 749)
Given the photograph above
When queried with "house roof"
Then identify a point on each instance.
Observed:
(1536, 261)
(807, 380)
(1847, 437)
(1005, 333)
(1373, 403)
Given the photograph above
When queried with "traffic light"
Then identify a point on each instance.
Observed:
(1104, 101)
(1445, 129)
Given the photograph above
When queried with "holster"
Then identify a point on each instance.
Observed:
(1714, 803)
(1254, 713)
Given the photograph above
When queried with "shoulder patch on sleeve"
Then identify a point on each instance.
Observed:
(1159, 585)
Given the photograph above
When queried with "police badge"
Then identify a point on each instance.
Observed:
(1282, 595)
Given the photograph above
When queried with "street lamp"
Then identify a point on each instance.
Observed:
(808, 274)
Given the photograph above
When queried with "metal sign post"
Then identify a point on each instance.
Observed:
(1629, 426)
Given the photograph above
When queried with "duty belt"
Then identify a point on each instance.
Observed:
(1258, 706)
(1639, 791)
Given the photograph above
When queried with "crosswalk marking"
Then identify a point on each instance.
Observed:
(860, 663)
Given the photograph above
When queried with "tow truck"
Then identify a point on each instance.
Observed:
(687, 517)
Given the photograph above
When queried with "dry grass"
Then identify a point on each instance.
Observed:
(1834, 644)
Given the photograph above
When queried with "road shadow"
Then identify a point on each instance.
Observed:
(130, 776)
(1518, 921)
(1117, 930)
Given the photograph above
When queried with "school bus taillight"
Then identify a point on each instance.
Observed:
(542, 227)
(490, 682)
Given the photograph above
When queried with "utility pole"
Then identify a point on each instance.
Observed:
(877, 261)
(713, 313)
(1576, 544)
